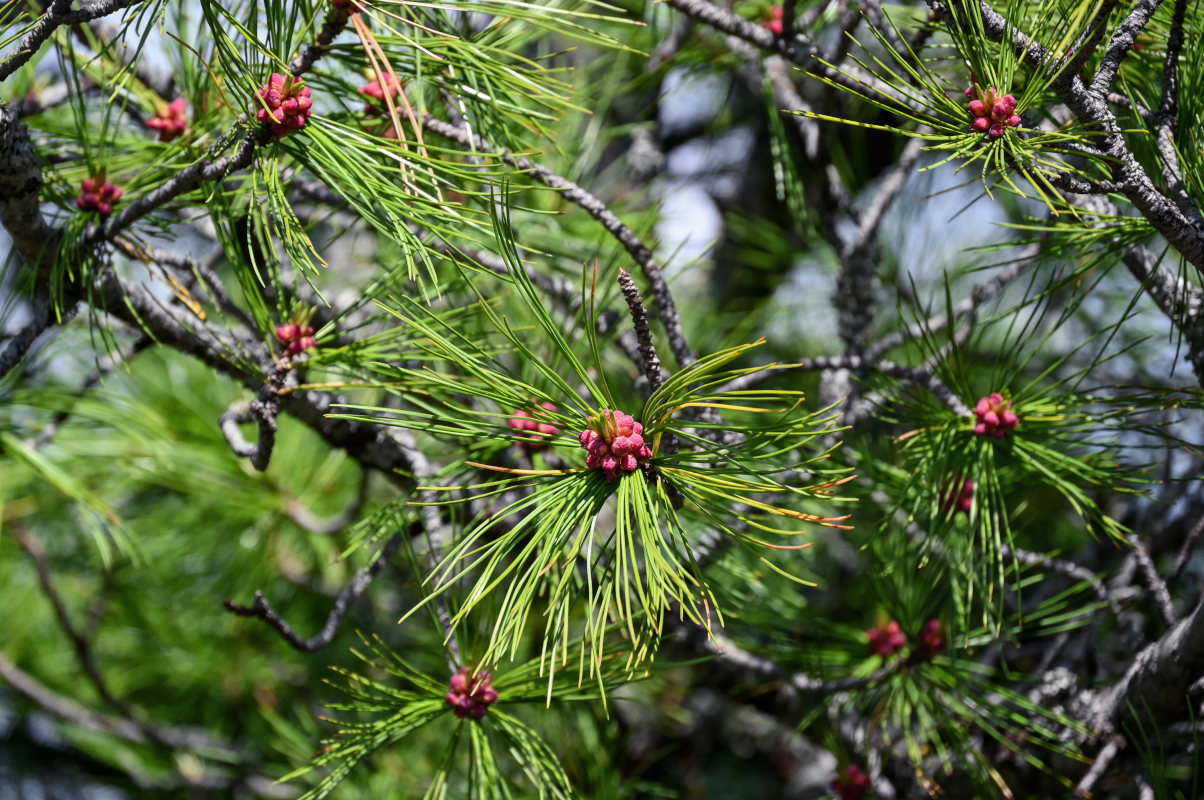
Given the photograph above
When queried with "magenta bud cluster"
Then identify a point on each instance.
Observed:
(287, 104)
(296, 338)
(993, 113)
(170, 120)
(886, 639)
(774, 20)
(535, 432)
(958, 499)
(995, 416)
(97, 194)
(615, 442)
(852, 783)
(470, 696)
(931, 640)
(376, 94)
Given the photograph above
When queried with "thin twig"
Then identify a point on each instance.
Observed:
(83, 648)
(1186, 551)
(1099, 765)
(980, 294)
(338, 612)
(1162, 596)
(856, 363)
(658, 287)
(1044, 562)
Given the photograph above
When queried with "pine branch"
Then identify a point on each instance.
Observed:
(57, 15)
(338, 612)
(1122, 42)
(1158, 680)
(639, 320)
(981, 293)
(1162, 596)
(1102, 759)
(858, 364)
(1090, 106)
(83, 648)
(18, 344)
(658, 288)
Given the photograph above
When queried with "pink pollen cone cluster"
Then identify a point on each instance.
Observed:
(995, 416)
(469, 696)
(170, 120)
(852, 783)
(955, 499)
(615, 443)
(374, 92)
(774, 21)
(288, 104)
(523, 422)
(931, 640)
(993, 114)
(98, 195)
(886, 639)
(296, 338)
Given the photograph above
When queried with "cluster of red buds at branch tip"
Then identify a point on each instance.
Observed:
(852, 783)
(170, 120)
(994, 416)
(774, 20)
(98, 195)
(523, 422)
(615, 442)
(958, 499)
(886, 639)
(374, 92)
(295, 337)
(993, 113)
(470, 696)
(287, 104)
(931, 640)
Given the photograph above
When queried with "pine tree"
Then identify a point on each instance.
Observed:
(366, 435)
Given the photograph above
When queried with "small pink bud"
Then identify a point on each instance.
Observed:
(289, 105)
(628, 463)
(996, 130)
(980, 428)
(586, 436)
(88, 185)
(621, 446)
(104, 209)
(977, 109)
(1014, 121)
(1008, 102)
(980, 124)
(609, 463)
